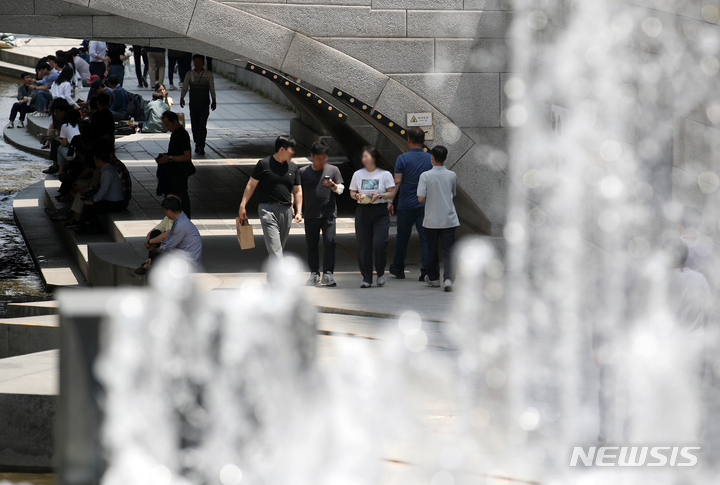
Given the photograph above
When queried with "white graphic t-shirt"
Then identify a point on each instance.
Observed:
(375, 182)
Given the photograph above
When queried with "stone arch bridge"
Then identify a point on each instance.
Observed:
(375, 59)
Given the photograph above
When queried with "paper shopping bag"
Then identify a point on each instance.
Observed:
(245, 234)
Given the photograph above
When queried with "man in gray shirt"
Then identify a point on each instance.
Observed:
(321, 183)
(108, 198)
(437, 188)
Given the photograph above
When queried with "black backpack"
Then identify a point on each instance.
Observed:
(136, 106)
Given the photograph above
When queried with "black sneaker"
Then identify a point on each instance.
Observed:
(141, 271)
(399, 274)
(72, 224)
(51, 170)
(422, 276)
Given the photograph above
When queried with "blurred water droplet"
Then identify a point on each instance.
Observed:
(409, 321)
(529, 419)
(416, 340)
(708, 182)
(131, 307)
(230, 475)
(652, 26)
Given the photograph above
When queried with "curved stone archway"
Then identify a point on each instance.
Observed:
(379, 31)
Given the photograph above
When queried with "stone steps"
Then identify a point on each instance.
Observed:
(27, 335)
(55, 266)
(31, 309)
(29, 386)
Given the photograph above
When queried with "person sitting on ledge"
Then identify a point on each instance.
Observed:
(47, 76)
(153, 239)
(109, 197)
(25, 100)
(102, 123)
(183, 238)
(119, 105)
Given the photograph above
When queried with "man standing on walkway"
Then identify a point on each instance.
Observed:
(408, 168)
(156, 58)
(201, 84)
(98, 58)
(320, 183)
(436, 189)
(279, 181)
(175, 166)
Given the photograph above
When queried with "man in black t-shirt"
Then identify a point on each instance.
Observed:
(175, 166)
(320, 183)
(278, 179)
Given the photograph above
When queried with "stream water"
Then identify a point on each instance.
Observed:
(19, 280)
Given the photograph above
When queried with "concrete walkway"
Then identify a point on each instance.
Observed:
(242, 130)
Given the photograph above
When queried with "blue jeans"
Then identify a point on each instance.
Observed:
(406, 219)
(62, 155)
(43, 99)
(119, 71)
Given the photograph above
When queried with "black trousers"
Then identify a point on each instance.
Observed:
(154, 252)
(22, 109)
(140, 70)
(98, 68)
(372, 226)
(446, 238)
(172, 60)
(199, 115)
(94, 210)
(312, 238)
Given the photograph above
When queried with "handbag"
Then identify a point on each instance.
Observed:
(245, 234)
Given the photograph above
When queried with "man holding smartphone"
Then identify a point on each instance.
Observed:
(320, 184)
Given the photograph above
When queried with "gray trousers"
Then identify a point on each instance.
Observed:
(275, 220)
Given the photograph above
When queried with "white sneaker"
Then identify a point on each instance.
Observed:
(448, 285)
(39, 114)
(381, 281)
(365, 284)
(21, 124)
(328, 279)
(172, 87)
(434, 284)
(314, 280)
(11, 125)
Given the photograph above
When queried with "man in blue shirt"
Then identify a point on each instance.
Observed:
(47, 76)
(183, 239)
(410, 212)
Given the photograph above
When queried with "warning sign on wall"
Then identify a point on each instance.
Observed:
(424, 121)
(419, 119)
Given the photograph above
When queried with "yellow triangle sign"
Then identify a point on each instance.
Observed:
(413, 120)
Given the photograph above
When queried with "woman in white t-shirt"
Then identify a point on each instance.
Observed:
(373, 188)
(68, 130)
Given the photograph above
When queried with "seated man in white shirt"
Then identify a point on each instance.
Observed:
(437, 188)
